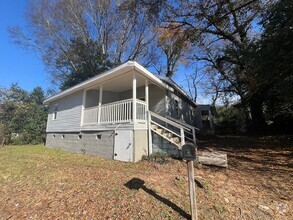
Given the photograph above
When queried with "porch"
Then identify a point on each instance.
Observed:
(121, 100)
(125, 104)
(116, 112)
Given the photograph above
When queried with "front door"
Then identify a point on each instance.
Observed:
(123, 147)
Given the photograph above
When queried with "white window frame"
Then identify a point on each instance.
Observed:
(55, 111)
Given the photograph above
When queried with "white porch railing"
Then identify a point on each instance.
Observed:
(115, 112)
(141, 110)
(90, 115)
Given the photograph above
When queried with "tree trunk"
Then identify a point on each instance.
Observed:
(259, 125)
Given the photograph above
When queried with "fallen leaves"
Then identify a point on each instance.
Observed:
(41, 183)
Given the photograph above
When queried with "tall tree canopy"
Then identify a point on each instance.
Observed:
(273, 64)
(221, 33)
(241, 48)
(59, 30)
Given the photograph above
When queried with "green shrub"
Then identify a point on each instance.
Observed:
(157, 157)
(230, 120)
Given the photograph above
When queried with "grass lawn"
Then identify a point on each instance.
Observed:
(41, 183)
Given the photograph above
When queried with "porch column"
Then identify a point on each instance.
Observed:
(148, 118)
(83, 107)
(134, 98)
(100, 103)
(147, 94)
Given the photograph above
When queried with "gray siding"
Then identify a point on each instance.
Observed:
(199, 122)
(140, 92)
(184, 109)
(109, 97)
(156, 97)
(157, 102)
(68, 114)
(92, 98)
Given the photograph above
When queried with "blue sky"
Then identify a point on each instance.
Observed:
(16, 64)
(24, 67)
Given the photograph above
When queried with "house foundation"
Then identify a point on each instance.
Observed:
(95, 143)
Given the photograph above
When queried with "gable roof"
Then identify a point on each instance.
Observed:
(119, 70)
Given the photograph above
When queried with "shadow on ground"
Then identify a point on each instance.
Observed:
(262, 154)
(136, 184)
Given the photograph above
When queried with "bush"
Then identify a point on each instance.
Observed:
(157, 157)
(4, 136)
(230, 120)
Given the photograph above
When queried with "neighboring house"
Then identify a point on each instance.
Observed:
(205, 119)
(122, 114)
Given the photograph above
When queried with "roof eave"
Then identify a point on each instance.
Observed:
(126, 67)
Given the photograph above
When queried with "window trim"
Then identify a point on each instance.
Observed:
(55, 111)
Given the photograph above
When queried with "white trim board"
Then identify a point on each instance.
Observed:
(117, 71)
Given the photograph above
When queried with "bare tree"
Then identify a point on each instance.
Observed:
(51, 26)
(224, 29)
(174, 45)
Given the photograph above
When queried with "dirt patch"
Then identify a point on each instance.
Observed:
(41, 183)
(258, 182)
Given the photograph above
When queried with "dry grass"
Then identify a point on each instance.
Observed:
(41, 183)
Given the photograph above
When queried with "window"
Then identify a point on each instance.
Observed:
(55, 112)
(63, 136)
(205, 119)
(99, 136)
(191, 113)
(176, 107)
(205, 115)
(79, 136)
(53, 135)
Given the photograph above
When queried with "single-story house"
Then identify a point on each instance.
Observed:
(122, 114)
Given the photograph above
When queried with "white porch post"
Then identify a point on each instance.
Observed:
(83, 107)
(134, 98)
(182, 136)
(148, 117)
(100, 103)
(147, 94)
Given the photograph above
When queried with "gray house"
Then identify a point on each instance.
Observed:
(204, 119)
(122, 114)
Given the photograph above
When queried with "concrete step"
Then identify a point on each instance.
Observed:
(161, 131)
(168, 135)
(175, 139)
(154, 126)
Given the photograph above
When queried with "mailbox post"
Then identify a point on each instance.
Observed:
(188, 154)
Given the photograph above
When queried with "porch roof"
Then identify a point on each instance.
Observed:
(117, 71)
